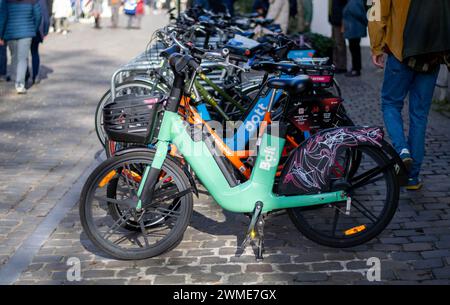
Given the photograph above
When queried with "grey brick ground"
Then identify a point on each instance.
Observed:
(413, 249)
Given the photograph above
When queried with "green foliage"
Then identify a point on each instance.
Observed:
(322, 44)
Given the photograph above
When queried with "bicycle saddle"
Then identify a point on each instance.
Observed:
(293, 86)
(272, 67)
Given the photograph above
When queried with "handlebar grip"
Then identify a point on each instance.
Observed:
(194, 64)
(179, 63)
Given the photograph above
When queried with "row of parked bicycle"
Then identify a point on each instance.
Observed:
(255, 119)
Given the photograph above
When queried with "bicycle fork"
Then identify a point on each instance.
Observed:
(151, 175)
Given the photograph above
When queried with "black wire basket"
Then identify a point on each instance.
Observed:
(132, 119)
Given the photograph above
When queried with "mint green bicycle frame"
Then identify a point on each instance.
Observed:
(243, 197)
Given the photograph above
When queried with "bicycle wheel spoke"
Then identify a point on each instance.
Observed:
(131, 184)
(364, 210)
(165, 212)
(366, 177)
(144, 233)
(124, 202)
(117, 224)
(172, 197)
(335, 221)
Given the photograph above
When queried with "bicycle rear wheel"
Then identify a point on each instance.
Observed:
(373, 191)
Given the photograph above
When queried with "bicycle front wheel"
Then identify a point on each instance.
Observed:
(108, 207)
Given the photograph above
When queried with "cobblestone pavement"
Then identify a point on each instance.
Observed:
(415, 248)
(47, 137)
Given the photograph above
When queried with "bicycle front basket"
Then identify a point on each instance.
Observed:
(133, 119)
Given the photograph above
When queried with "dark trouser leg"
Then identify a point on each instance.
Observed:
(340, 49)
(35, 58)
(355, 50)
(3, 60)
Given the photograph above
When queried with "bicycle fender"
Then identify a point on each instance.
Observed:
(153, 151)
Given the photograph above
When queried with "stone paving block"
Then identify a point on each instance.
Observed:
(205, 278)
(169, 280)
(226, 269)
(243, 278)
(259, 268)
(311, 277)
(442, 273)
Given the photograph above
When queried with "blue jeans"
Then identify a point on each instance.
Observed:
(20, 49)
(399, 80)
(3, 60)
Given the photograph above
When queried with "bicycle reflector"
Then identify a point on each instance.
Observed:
(107, 178)
(355, 230)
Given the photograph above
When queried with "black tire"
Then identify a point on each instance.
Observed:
(136, 87)
(310, 221)
(180, 214)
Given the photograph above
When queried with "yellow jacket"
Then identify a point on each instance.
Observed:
(387, 20)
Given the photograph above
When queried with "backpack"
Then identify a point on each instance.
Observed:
(130, 7)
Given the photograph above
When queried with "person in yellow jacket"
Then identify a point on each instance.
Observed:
(387, 21)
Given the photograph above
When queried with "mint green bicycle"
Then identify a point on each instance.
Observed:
(138, 204)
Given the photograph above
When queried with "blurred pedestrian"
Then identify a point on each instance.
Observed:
(202, 3)
(3, 62)
(96, 12)
(62, 10)
(261, 7)
(301, 16)
(115, 9)
(19, 23)
(134, 9)
(355, 28)
(229, 6)
(38, 39)
(279, 12)
(415, 48)
(140, 11)
(335, 17)
(3, 52)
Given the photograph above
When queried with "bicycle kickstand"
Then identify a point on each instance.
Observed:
(255, 229)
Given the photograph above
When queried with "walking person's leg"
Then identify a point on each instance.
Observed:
(35, 59)
(23, 49)
(396, 85)
(420, 98)
(130, 21)
(139, 20)
(115, 16)
(12, 44)
(58, 25)
(65, 25)
(339, 50)
(3, 62)
(355, 50)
